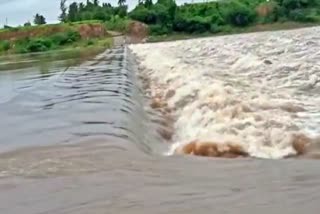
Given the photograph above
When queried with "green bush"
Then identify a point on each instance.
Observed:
(121, 11)
(39, 45)
(101, 15)
(73, 36)
(20, 45)
(117, 23)
(65, 38)
(42, 44)
(142, 14)
(192, 25)
(217, 19)
(4, 45)
(89, 42)
(227, 29)
(238, 14)
(214, 28)
(302, 15)
(59, 38)
(295, 4)
(158, 30)
(160, 14)
(86, 16)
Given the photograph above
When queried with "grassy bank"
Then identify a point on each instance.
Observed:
(250, 29)
(44, 44)
(43, 38)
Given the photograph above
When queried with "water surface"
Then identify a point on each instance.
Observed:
(76, 137)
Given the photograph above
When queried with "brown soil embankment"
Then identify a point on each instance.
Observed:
(91, 30)
(137, 32)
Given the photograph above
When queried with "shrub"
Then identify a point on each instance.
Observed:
(214, 28)
(217, 19)
(101, 15)
(86, 15)
(302, 15)
(118, 24)
(20, 45)
(238, 14)
(59, 38)
(142, 14)
(121, 11)
(4, 45)
(199, 25)
(227, 29)
(158, 30)
(192, 25)
(65, 38)
(160, 14)
(89, 42)
(295, 4)
(39, 45)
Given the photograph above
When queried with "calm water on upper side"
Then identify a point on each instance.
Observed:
(64, 100)
(76, 137)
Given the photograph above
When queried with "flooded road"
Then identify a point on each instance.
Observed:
(77, 137)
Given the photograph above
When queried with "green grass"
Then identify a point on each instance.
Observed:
(36, 27)
(50, 38)
(28, 28)
(45, 45)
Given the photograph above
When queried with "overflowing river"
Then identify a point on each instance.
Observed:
(257, 90)
(78, 135)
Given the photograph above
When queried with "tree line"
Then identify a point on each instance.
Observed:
(165, 16)
(91, 10)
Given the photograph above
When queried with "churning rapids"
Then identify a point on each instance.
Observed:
(89, 134)
(259, 91)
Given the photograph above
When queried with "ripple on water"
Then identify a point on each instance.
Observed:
(96, 98)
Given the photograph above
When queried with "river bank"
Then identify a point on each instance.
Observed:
(64, 36)
(278, 26)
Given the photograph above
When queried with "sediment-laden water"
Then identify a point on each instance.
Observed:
(78, 135)
(255, 90)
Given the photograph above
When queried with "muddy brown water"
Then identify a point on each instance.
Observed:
(76, 137)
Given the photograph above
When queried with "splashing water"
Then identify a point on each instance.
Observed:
(255, 90)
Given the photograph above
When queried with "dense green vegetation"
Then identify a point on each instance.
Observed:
(165, 17)
(91, 10)
(70, 38)
(252, 28)
(116, 23)
(46, 43)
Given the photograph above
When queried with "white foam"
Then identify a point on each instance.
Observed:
(226, 91)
